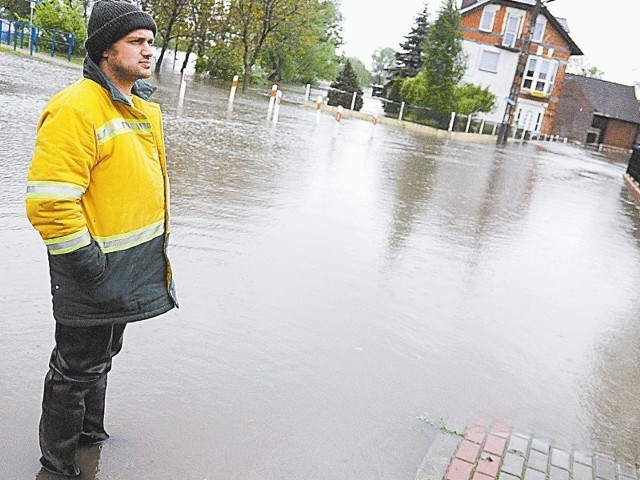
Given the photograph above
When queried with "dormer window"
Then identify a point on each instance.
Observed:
(512, 27)
(538, 30)
(488, 18)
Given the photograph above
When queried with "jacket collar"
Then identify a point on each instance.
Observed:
(141, 88)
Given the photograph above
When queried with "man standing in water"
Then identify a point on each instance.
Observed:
(97, 193)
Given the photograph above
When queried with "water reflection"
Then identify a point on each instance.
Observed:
(411, 177)
(610, 395)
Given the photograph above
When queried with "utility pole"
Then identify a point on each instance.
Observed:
(516, 85)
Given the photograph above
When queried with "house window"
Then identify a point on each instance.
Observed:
(488, 17)
(489, 61)
(540, 75)
(511, 31)
(538, 30)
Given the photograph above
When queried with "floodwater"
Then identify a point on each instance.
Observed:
(337, 282)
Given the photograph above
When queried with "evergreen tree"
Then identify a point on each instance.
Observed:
(444, 65)
(407, 63)
(342, 88)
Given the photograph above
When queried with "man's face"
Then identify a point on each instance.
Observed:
(129, 59)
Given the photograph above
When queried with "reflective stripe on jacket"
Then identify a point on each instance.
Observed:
(98, 194)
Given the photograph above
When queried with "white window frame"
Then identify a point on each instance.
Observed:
(539, 29)
(488, 17)
(511, 34)
(540, 75)
(489, 66)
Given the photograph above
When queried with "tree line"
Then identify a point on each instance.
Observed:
(297, 41)
(278, 40)
(292, 41)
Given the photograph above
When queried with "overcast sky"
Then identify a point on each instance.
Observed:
(609, 35)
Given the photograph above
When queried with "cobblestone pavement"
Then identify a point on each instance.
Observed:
(498, 453)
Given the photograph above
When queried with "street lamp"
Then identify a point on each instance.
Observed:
(516, 85)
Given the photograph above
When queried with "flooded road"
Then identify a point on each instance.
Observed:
(336, 283)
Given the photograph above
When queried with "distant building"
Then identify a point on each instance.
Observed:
(493, 37)
(598, 112)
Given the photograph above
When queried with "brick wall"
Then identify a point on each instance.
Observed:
(620, 134)
(574, 113)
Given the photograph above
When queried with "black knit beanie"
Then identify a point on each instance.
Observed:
(110, 21)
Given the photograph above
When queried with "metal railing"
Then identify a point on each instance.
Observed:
(24, 35)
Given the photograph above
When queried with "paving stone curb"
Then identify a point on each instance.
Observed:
(497, 453)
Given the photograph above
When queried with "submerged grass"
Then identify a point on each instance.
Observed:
(441, 425)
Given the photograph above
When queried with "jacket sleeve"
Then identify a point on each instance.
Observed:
(60, 171)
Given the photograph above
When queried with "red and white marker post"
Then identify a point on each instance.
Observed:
(234, 87)
(272, 99)
(276, 108)
(319, 103)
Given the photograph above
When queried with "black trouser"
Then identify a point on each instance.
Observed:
(75, 387)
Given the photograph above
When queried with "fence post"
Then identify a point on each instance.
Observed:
(468, 123)
(495, 127)
(307, 93)
(452, 121)
(53, 43)
(72, 42)
(33, 37)
(353, 100)
(482, 126)
(401, 111)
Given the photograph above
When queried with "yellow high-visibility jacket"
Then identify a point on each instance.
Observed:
(98, 194)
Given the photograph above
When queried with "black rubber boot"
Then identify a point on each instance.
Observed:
(59, 432)
(60, 423)
(74, 393)
(93, 424)
(66, 471)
